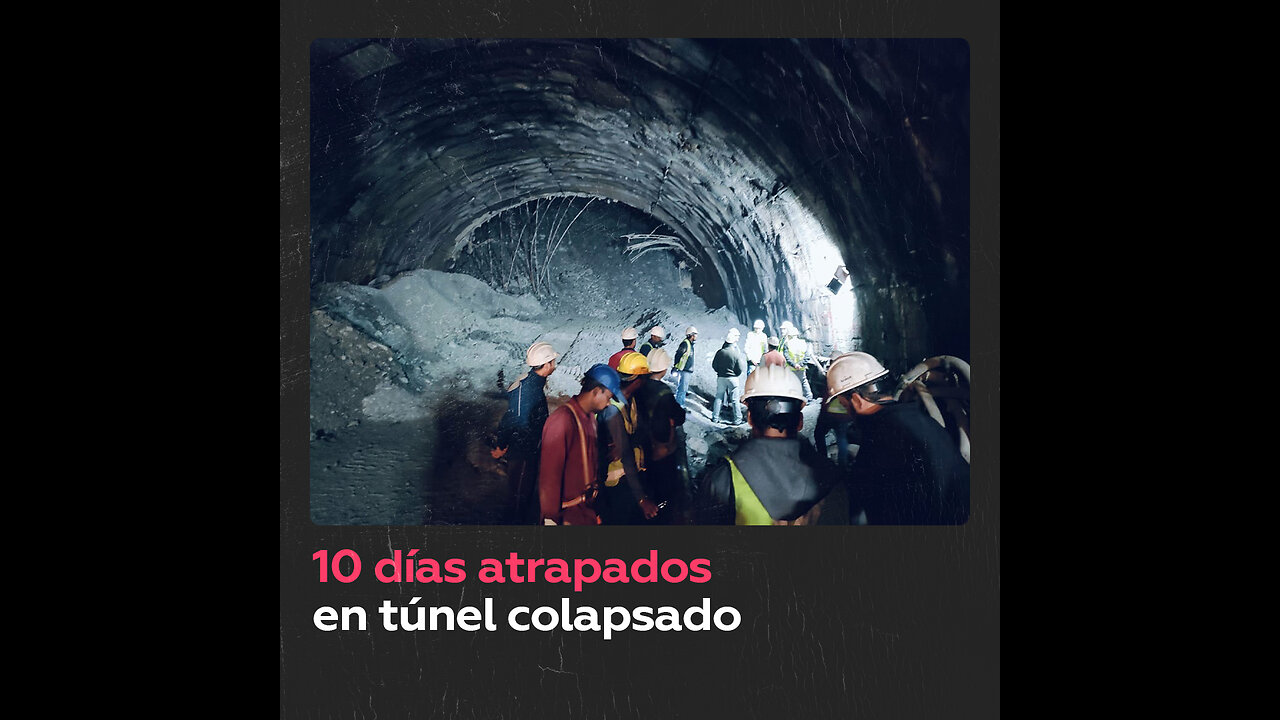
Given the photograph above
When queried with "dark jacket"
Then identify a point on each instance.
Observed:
(780, 472)
(658, 414)
(729, 361)
(520, 429)
(616, 444)
(908, 470)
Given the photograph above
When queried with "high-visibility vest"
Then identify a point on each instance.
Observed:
(795, 354)
(749, 509)
(688, 352)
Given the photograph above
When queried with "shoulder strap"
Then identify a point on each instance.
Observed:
(628, 413)
(582, 442)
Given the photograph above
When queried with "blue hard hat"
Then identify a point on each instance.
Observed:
(608, 377)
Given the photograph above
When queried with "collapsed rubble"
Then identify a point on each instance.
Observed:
(421, 362)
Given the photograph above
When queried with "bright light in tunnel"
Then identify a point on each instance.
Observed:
(813, 255)
(837, 280)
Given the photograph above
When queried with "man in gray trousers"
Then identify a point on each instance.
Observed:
(730, 365)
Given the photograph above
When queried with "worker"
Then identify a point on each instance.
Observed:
(908, 470)
(567, 475)
(661, 436)
(755, 346)
(628, 345)
(796, 351)
(682, 364)
(770, 479)
(656, 338)
(519, 432)
(730, 367)
(774, 356)
(659, 361)
(623, 500)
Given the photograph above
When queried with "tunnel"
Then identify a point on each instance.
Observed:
(471, 196)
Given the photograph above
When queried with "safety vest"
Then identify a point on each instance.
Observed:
(747, 506)
(616, 471)
(795, 355)
(749, 509)
(688, 353)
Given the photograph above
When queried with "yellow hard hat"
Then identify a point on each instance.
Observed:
(633, 363)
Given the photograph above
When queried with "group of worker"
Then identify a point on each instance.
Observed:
(615, 452)
(732, 365)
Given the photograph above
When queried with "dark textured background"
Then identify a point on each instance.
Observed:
(837, 622)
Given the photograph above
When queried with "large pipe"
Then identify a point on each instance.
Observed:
(926, 398)
(940, 371)
(956, 409)
(946, 362)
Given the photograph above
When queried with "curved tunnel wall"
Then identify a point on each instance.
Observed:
(751, 150)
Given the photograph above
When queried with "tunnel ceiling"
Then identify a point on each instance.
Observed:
(745, 148)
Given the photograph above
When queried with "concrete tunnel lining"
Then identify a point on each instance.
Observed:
(693, 146)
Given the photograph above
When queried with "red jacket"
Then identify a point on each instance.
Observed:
(773, 357)
(615, 358)
(565, 471)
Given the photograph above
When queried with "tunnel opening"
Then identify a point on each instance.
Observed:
(536, 245)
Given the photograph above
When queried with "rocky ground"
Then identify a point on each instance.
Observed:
(407, 378)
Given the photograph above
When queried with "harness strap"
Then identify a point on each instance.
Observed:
(586, 467)
(616, 471)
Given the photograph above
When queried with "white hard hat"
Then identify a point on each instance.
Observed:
(758, 325)
(629, 334)
(539, 353)
(773, 340)
(852, 370)
(773, 381)
(785, 324)
(732, 335)
(691, 330)
(659, 359)
(658, 332)
(790, 331)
